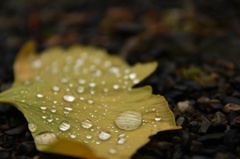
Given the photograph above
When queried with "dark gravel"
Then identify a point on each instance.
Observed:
(197, 46)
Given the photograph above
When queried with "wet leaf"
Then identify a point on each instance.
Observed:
(81, 97)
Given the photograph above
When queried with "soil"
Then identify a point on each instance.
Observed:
(195, 42)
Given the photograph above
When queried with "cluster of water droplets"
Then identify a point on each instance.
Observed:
(90, 83)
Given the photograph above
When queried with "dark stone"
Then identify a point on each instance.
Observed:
(232, 115)
(224, 155)
(204, 125)
(219, 119)
(176, 139)
(212, 139)
(200, 157)
(196, 147)
(26, 148)
(236, 121)
(181, 121)
(17, 130)
(231, 99)
(178, 152)
(194, 126)
(162, 145)
(4, 155)
(22, 157)
(216, 104)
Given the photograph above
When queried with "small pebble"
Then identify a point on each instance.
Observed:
(181, 121)
(236, 121)
(185, 107)
(231, 106)
(203, 100)
(219, 119)
(204, 125)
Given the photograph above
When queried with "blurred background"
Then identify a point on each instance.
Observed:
(138, 30)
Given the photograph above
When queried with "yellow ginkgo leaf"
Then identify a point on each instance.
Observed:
(83, 97)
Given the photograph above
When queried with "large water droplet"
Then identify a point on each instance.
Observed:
(64, 126)
(32, 127)
(104, 135)
(68, 98)
(45, 138)
(128, 120)
(86, 124)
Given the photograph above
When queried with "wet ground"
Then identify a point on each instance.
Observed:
(197, 46)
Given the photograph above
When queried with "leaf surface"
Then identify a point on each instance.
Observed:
(82, 97)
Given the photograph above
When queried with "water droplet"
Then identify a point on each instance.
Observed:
(121, 140)
(32, 127)
(97, 142)
(39, 95)
(45, 138)
(36, 64)
(135, 81)
(81, 81)
(112, 151)
(92, 84)
(50, 120)
(72, 136)
(132, 76)
(157, 118)
(90, 101)
(87, 124)
(88, 137)
(68, 108)
(53, 110)
(44, 116)
(80, 89)
(122, 135)
(116, 86)
(104, 135)
(63, 80)
(64, 126)
(128, 120)
(68, 98)
(55, 88)
(43, 107)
